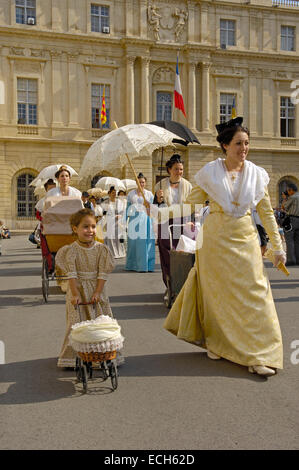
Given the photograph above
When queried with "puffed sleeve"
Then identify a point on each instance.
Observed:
(65, 260)
(105, 262)
(265, 211)
(196, 196)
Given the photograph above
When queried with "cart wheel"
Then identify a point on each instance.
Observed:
(113, 375)
(168, 294)
(45, 280)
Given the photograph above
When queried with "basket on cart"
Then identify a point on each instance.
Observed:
(56, 232)
(181, 263)
(96, 341)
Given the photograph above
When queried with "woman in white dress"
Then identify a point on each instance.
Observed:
(63, 177)
(113, 210)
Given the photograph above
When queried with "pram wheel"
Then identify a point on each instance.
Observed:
(113, 375)
(45, 280)
(81, 373)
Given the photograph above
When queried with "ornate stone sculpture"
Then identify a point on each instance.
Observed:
(182, 16)
(154, 20)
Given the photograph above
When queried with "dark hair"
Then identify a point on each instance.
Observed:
(47, 183)
(76, 218)
(175, 158)
(226, 136)
(292, 186)
(85, 194)
(122, 191)
(112, 188)
(141, 175)
(61, 169)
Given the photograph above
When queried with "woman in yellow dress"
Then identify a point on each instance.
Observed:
(226, 305)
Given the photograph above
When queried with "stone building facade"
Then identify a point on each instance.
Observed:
(57, 57)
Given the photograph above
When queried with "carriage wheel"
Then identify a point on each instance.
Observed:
(113, 375)
(45, 280)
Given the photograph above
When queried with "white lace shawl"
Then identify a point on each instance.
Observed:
(214, 180)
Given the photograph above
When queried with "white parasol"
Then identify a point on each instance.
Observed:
(97, 192)
(129, 184)
(113, 150)
(107, 181)
(49, 172)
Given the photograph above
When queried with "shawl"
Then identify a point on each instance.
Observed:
(185, 189)
(214, 180)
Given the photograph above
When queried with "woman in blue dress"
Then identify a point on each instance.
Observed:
(141, 236)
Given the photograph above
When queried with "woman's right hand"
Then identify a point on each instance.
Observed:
(160, 195)
(76, 299)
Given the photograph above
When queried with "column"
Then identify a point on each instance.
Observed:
(129, 17)
(130, 89)
(205, 101)
(252, 100)
(143, 18)
(204, 23)
(191, 22)
(192, 95)
(145, 61)
(57, 118)
(73, 116)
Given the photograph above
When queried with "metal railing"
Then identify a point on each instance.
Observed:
(285, 3)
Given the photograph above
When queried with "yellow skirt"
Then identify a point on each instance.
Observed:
(226, 304)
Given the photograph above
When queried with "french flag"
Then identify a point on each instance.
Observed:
(178, 96)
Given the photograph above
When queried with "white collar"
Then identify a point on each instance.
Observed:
(213, 178)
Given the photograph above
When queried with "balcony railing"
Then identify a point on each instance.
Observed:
(285, 3)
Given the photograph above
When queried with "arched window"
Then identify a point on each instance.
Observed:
(25, 196)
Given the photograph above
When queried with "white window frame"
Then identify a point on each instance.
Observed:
(107, 86)
(29, 199)
(27, 102)
(29, 11)
(168, 114)
(289, 36)
(290, 116)
(102, 22)
(229, 97)
(226, 30)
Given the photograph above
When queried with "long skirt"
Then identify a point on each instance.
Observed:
(226, 304)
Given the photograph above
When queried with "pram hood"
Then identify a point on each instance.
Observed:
(57, 212)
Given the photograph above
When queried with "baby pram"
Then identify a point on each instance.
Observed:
(90, 352)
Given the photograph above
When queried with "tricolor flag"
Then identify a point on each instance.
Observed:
(103, 109)
(234, 111)
(178, 96)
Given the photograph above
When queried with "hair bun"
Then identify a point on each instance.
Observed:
(141, 175)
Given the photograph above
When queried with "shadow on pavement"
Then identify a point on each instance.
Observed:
(40, 380)
(195, 364)
(35, 381)
(150, 298)
(138, 312)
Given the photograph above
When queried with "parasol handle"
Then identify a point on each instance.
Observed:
(134, 172)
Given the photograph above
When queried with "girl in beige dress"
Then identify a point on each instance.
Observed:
(86, 263)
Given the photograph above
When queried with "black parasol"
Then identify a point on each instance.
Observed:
(185, 134)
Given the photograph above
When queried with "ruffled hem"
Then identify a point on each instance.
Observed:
(102, 347)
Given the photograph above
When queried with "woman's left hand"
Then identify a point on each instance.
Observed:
(95, 298)
(279, 259)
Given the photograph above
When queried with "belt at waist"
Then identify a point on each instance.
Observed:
(87, 275)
